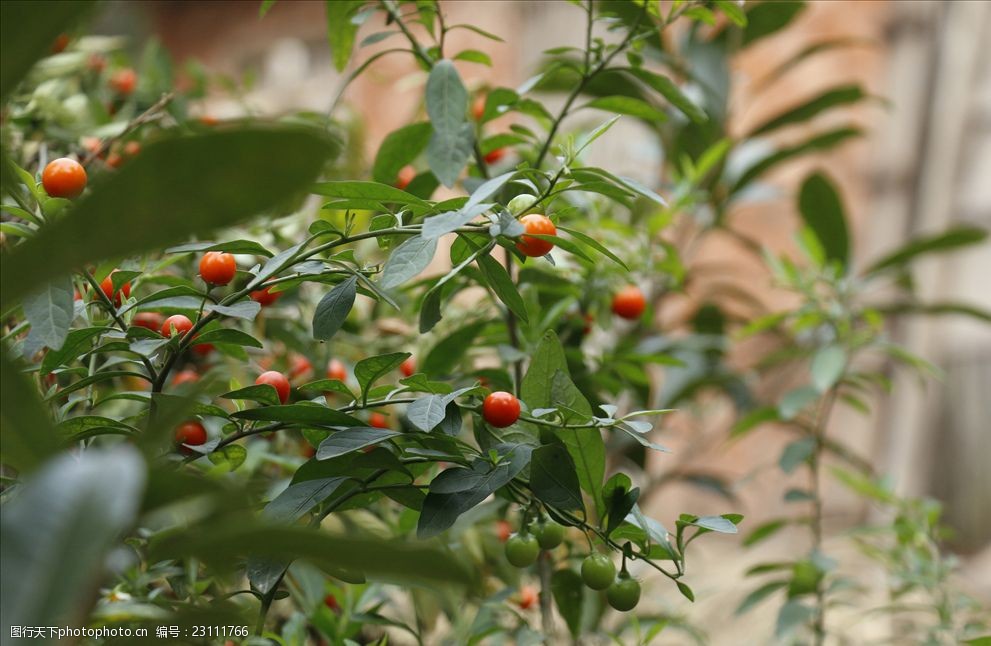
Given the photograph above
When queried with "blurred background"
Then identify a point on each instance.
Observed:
(924, 164)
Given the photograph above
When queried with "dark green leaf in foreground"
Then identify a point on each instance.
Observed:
(175, 188)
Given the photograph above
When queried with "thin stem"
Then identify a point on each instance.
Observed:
(147, 116)
(417, 47)
(109, 307)
(822, 420)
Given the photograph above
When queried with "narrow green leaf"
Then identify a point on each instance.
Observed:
(843, 95)
(671, 92)
(341, 30)
(498, 279)
(821, 209)
(333, 309)
(954, 238)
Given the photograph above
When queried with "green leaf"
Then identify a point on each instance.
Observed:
(619, 497)
(473, 56)
(828, 365)
(586, 140)
(553, 478)
(449, 151)
(595, 244)
(842, 95)
(447, 103)
(367, 371)
(27, 32)
(229, 458)
(389, 560)
(758, 595)
(792, 615)
(50, 311)
(822, 211)
(28, 436)
(357, 190)
(407, 261)
(766, 18)
(753, 419)
(299, 414)
(246, 310)
(262, 393)
(542, 389)
(228, 335)
(445, 355)
(341, 30)
(265, 7)
(715, 524)
(630, 106)
(764, 531)
(951, 239)
(795, 401)
(671, 92)
(796, 453)
(57, 530)
(299, 498)
(733, 11)
(498, 279)
(225, 175)
(449, 221)
(568, 591)
(398, 149)
(232, 246)
(686, 591)
(352, 439)
(333, 309)
(816, 143)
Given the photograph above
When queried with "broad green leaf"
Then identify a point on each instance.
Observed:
(232, 246)
(817, 143)
(758, 595)
(568, 591)
(473, 56)
(27, 434)
(229, 335)
(262, 393)
(245, 310)
(449, 151)
(629, 106)
(407, 261)
(352, 439)
(76, 342)
(487, 189)
(671, 92)
(27, 32)
(447, 103)
(542, 389)
(843, 95)
(948, 240)
(498, 279)
(341, 30)
(427, 412)
(795, 401)
(792, 615)
(449, 221)
(445, 355)
(58, 529)
(299, 498)
(367, 371)
(796, 453)
(299, 414)
(225, 175)
(388, 560)
(398, 149)
(357, 190)
(828, 365)
(821, 209)
(50, 310)
(553, 478)
(333, 309)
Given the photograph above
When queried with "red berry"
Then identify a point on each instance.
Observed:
(191, 433)
(501, 409)
(528, 597)
(114, 160)
(408, 367)
(378, 420)
(336, 370)
(64, 177)
(185, 377)
(535, 223)
(181, 323)
(495, 155)
(299, 366)
(406, 175)
(108, 290)
(60, 43)
(124, 81)
(265, 296)
(148, 320)
(202, 349)
(629, 303)
(331, 602)
(217, 267)
(503, 530)
(132, 148)
(278, 381)
(478, 107)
